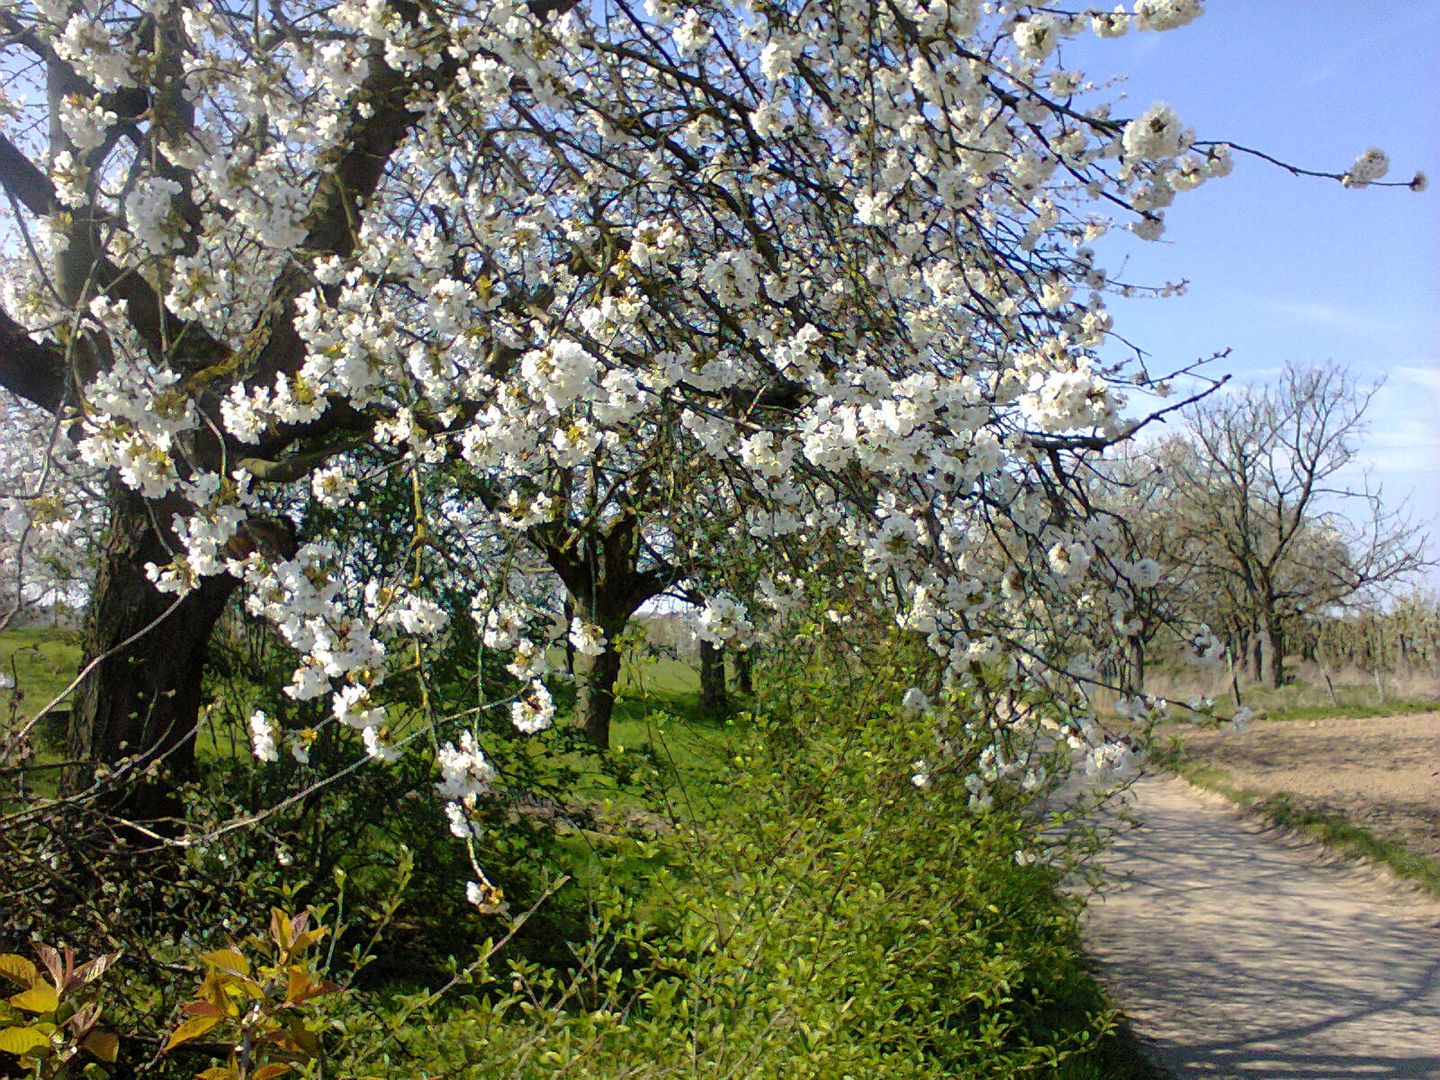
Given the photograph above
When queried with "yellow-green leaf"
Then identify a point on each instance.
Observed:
(105, 1045)
(305, 940)
(216, 1072)
(227, 960)
(40, 998)
(280, 931)
(191, 1029)
(269, 1072)
(297, 985)
(21, 1040)
(17, 969)
(305, 1039)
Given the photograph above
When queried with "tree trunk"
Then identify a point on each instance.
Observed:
(1255, 656)
(1272, 650)
(744, 662)
(713, 700)
(1132, 671)
(595, 678)
(604, 587)
(141, 702)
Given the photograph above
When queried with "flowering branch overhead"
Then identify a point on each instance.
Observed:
(631, 284)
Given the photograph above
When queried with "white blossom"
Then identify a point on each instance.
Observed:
(262, 737)
(587, 638)
(1370, 166)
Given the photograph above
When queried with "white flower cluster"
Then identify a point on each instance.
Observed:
(86, 46)
(724, 621)
(535, 709)
(1370, 166)
(465, 772)
(1166, 14)
(262, 737)
(586, 638)
(1156, 133)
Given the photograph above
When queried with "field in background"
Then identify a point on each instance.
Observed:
(40, 661)
(1368, 786)
(1307, 696)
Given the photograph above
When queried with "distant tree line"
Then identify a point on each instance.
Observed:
(1267, 536)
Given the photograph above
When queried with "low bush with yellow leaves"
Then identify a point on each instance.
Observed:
(258, 1015)
(51, 1024)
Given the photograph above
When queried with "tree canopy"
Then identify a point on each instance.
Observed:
(680, 274)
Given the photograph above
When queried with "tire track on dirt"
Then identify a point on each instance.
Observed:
(1239, 953)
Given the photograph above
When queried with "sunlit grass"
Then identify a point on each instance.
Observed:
(41, 662)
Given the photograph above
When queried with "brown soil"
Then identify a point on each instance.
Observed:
(1382, 773)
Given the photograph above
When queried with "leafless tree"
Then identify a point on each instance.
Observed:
(1271, 520)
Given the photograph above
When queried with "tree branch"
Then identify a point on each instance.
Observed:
(29, 369)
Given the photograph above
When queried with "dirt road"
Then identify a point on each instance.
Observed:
(1381, 772)
(1239, 953)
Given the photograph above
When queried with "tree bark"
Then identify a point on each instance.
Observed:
(595, 679)
(142, 700)
(604, 587)
(1272, 650)
(744, 662)
(713, 699)
(1135, 666)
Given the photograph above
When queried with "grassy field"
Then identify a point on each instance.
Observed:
(1310, 692)
(40, 661)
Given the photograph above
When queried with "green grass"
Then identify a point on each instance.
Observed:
(1332, 830)
(1329, 711)
(42, 662)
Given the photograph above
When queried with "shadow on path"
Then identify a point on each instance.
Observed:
(1238, 954)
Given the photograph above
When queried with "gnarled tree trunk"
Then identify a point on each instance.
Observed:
(595, 680)
(1272, 651)
(136, 711)
(606, 587)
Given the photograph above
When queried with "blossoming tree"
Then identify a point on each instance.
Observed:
(835, 253)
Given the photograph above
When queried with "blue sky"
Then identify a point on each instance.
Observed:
(1293, 269)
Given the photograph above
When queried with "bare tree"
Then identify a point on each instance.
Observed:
(1272, 524)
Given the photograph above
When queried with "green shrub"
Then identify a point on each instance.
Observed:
(831, 921)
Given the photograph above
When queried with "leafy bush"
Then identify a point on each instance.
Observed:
(832, 920)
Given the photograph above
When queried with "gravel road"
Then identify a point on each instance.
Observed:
(1238, 952)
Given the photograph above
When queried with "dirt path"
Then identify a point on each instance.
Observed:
(1239, 953)
(1381, 772)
